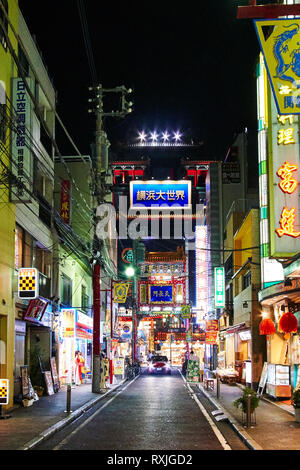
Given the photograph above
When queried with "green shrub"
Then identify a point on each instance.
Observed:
(296, 398)
(242, 402)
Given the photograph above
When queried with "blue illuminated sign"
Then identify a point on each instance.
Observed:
(161, 294)
(160, 194)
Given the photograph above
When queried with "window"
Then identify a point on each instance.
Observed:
(4, 33)
(84, 299)
(247, 280)
(24, 250)
(19, 248)
(66, 291)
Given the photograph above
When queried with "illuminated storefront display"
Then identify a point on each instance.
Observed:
(160, 194)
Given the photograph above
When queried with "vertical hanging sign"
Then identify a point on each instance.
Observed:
(22, 165)
(219, 288)
(65, 201)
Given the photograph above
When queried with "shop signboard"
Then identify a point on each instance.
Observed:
(186, 311)
(211, 337)
(119, 366)
(22, 160)
(68, 322)
(4, 391)
(36, 310)
(28, 283)
(161, 294)
(120, 292)
(65, 200)
(284, 220)
(48, 382)
(162, 195)
(279, 42)
(212, 326)
(219, 287)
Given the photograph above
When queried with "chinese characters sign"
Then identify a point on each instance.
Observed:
(219, 288)
(65, 201)
(284, 187)
(22, 165)
(160, 194)
(282, 58)
(161, 293)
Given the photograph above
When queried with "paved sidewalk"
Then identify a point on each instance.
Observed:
(45, 416)
(276, 428)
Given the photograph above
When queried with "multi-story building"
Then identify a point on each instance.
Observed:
(8, 71)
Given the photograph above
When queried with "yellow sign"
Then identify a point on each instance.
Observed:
(279, 40)
(28, 283)
(120, 292)
(4, 391)
(186, 311)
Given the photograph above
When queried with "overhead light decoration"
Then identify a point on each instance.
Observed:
(154, 136)
(142, 136)
(177, 136)
(160, 139)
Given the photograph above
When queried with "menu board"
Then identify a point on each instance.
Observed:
(25, 381)
(48, 382)
(54, 374)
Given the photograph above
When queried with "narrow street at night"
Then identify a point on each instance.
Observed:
(151, 413)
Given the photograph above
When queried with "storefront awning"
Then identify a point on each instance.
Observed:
(236, 328)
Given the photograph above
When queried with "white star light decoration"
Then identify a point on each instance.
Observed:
(164, 138)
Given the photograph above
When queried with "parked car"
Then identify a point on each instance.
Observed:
(159, 364)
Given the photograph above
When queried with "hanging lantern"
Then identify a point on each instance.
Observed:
(267, 327)
(288, 324)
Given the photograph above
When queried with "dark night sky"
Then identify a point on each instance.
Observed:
(191, 68)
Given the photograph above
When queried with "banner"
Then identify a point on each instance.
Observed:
(186, 311)
(211, 337)
(279, 41)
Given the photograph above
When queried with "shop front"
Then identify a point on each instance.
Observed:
(33, 341)
(67, 345)
(84, 338)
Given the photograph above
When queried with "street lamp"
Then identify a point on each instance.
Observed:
(130, 271)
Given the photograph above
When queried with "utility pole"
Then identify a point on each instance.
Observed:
(98, 382)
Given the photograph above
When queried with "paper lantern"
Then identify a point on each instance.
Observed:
(288, 323)
(267, 327)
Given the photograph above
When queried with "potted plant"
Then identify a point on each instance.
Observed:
(296, 403)
(242, 402)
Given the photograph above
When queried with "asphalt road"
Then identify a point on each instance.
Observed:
(151, 413)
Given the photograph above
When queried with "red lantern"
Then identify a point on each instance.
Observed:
(267, 327)
(288, 323)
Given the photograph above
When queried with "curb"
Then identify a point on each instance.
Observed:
(245, 437)
(69, 419)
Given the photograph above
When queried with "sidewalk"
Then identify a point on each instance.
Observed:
(28, 426)
(276, 428)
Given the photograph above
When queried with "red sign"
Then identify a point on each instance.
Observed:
(211, 337)
(35, 310)
(65, 201)
(212, 326)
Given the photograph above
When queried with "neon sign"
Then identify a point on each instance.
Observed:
(287, 224)
(285, 172)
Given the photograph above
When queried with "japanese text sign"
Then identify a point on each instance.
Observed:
(161, 294)
(160, 194)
